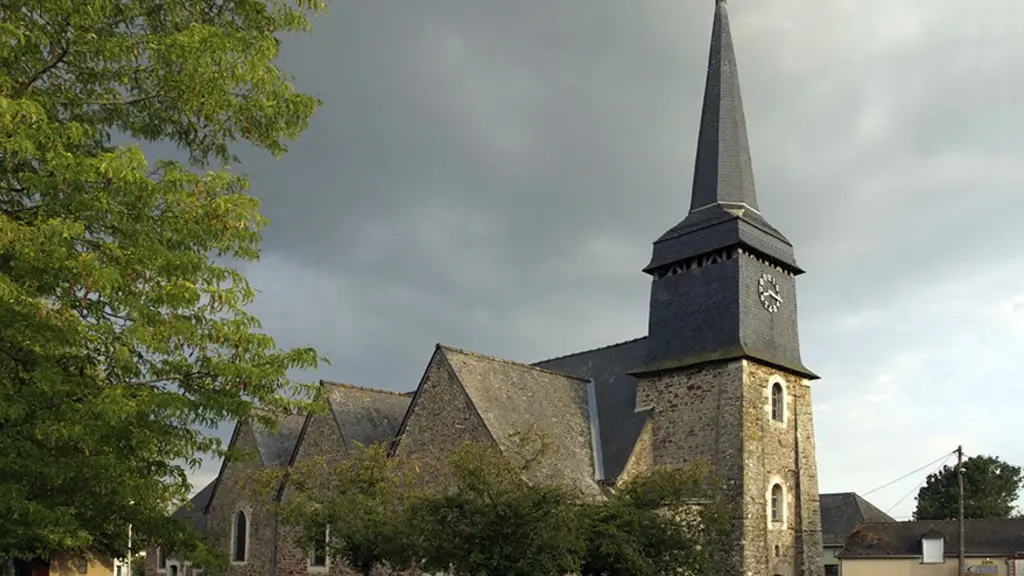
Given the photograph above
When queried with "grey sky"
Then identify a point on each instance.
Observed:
(491, 175)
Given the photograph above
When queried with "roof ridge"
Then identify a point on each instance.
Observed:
(278, 415)
(867, 508)
(509, 362)
(564, 356)
(947, 521)
(362, 388)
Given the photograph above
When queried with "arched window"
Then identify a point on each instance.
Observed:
(174, 570)
(241, 536)
(778, 402)
(161, 560)
(778, 503)
(318, 556)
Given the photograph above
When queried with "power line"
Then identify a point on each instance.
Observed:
(916, 488)
(944, 457)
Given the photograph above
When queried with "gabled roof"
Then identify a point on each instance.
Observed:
(903, 539)
(275, 450)
(195, 509)
(276, 447)
(514, 398)
(842, 512)
(609, 368)
(365, 415)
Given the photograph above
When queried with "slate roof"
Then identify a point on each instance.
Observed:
(195, 509)
(723, 171)
(512, 398)
(276, 447)
(842, 512)
(903, 539)
(364, 415)
(608, 367)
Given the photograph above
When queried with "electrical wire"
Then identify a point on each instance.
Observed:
(918, 487)
(944, 457)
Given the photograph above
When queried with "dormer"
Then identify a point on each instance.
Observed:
(933, 547)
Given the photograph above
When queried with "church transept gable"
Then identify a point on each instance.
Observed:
(514, 399)
(441, 417)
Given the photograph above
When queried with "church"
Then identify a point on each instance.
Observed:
(718, 377)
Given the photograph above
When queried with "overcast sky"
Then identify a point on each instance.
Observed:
(491, 175)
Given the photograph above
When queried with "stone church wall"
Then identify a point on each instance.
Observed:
(722, 413)
(232, 495)
(322, 440)
(696, 415)
(442, 417)
(782, 451)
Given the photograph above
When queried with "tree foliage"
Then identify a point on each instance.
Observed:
(482, 512)
(991, 487)
(357, 510)
(123, 324)
(663, 522)
(486, 518)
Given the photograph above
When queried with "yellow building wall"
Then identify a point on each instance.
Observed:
(69, 565)
(912, 566)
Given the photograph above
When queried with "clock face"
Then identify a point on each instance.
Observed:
(768, 291)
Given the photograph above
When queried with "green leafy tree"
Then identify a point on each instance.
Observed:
(666, 521)
(123, 325)
(991, 487)
(482, 511)
(356, 511)
(487, 519)
(494, 515)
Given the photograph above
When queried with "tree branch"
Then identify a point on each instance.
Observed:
(127, 102)
(56, 57)
(183, 378)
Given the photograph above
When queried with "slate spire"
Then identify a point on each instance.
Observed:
(723, 172)
(723, 280)
(724, 213)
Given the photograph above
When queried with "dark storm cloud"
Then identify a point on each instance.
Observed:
(491, 174)
(478, 162)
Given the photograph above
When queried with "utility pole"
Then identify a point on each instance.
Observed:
(960, 482)
(128, 568)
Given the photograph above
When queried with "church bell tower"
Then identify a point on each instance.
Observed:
(723, 372)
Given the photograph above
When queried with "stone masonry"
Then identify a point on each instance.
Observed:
(233, 493)
(442, 417)
(722, 413)
(320, 439)
(366, 416)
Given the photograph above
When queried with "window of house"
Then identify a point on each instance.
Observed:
(932, 550)
(778, 402)
(174, 570)
(161, 560)
(318, 554)
(83, 565)
(241, 536)
(778, 503)
(831, 569)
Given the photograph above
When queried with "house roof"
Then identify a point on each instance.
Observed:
(276, 447)
(514, 398)
(615, 389)
(195, 509)
(902, 539)
(365, 415)
(842, 512)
